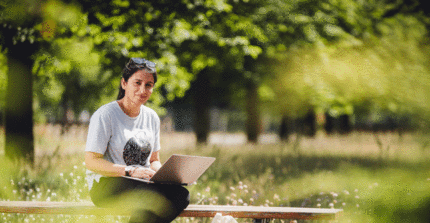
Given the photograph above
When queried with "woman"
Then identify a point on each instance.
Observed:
(124, 140)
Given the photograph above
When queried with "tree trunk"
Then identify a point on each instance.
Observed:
(329, 124)
(19, 102)
(284, 130)
(202, 99)
(345, 124)
(309, 125)
(65, 125)
(253, 122)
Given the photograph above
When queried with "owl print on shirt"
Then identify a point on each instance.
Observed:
(137, 149)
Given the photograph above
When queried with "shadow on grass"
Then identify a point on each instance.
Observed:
(283, 167)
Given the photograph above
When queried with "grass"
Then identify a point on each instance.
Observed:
(374, 178)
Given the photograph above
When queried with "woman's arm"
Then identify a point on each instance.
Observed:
(96, 163)
(155, 161)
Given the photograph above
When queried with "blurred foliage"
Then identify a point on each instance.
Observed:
(5, 173)
(3, 78)
(183, 38)
(336, 56)
(379, 66)
(70, 67)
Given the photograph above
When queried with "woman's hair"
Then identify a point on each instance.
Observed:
(127, 72)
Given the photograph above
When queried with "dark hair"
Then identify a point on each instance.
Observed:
(127, 72)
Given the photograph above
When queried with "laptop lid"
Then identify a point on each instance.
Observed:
(180, 169)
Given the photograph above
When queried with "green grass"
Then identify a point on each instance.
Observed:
(348, 172)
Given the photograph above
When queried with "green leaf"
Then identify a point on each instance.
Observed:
(253, 51)
(333, 30)
(300, 19)
(310, 32)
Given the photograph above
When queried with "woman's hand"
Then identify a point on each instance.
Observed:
(143, 173)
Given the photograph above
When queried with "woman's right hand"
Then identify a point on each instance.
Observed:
(143, 173)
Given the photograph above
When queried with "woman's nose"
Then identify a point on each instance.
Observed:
(142, 89)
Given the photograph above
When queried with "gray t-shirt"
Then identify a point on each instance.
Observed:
(123, 139)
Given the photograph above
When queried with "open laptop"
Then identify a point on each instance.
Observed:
(180, 169)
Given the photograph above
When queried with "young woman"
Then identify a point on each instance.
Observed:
(124, 140)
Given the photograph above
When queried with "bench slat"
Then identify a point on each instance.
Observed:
(257, 212)
(88, 208)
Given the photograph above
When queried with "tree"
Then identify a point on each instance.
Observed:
(190, 41)
(26, 27)
(225, 56)
(67, 68)
(3, 84)
(357, 57)
(17, 39)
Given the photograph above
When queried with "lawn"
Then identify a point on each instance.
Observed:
(380, 177)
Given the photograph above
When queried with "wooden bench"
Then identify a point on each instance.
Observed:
(259, 214)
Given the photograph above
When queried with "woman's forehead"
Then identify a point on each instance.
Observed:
(143, 75)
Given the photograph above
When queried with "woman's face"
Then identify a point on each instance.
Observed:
(139, 87)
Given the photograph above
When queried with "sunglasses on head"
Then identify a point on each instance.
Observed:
(141, 63)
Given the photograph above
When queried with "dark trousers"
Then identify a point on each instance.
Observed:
(150, 203)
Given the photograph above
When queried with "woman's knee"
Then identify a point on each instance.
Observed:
(183, 192)
(182, 197)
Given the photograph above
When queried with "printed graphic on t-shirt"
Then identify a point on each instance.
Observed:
(137, 149)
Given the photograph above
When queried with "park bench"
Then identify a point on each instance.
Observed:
(259, 214)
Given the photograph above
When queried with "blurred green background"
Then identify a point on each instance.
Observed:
(312, 98)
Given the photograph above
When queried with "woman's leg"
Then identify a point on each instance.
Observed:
(146, 202)
(108, 189)
(177, 195)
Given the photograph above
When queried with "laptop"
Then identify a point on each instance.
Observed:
(180, 169)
